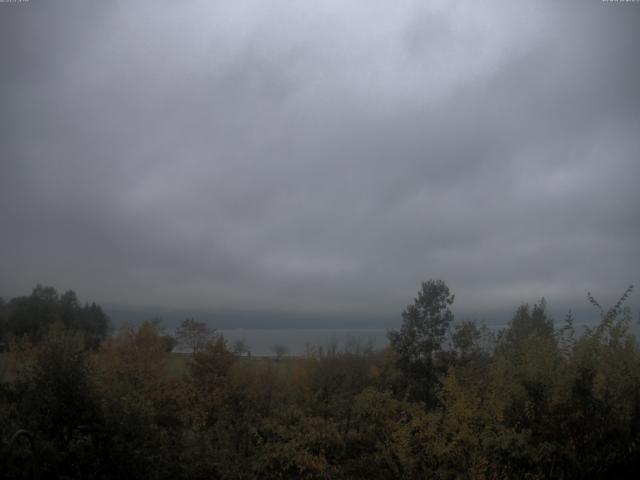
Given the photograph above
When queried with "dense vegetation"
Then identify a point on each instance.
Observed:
(445, 400)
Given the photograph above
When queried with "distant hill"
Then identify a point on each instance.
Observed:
(171, 318)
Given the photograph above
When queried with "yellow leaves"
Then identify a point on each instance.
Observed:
(459, 422)
(210, 367)
(134, 359)
(21, 354)
(299, 446)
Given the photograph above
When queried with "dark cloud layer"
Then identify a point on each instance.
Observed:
(320, 156)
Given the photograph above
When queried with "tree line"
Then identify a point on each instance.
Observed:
(444, 400)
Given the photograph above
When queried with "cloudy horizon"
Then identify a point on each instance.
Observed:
(320, 157)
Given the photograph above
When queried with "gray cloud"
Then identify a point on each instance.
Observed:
(320, 158)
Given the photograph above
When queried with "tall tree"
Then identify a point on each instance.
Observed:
(420, 340)
(526, 323)
(194, 335)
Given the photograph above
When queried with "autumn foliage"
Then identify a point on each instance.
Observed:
(446, 400)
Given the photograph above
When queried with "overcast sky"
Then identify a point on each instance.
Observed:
(320, 156)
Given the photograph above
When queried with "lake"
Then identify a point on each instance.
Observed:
(297, 341)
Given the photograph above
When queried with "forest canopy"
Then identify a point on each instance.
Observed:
(445, 399)
(32, 316)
